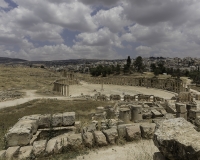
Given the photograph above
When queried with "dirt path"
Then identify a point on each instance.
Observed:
(141, 150)
(90, 89)
(29, 95)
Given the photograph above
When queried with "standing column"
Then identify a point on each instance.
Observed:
(67, 90)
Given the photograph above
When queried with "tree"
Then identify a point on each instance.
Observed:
(153, 67)
(118, 69)
(128, 62)
(138, 64)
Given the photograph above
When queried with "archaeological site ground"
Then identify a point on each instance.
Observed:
(46, 114)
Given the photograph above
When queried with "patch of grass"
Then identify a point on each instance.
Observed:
(23, 77)
(9, 116)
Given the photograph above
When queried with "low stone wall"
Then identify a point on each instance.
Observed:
(23, 142)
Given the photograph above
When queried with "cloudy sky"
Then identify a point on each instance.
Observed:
(105, 29)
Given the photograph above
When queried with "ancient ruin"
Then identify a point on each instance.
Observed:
(62, 85)
(170, 84)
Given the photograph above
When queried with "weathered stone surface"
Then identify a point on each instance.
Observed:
(19, 135)
(57, 120)
(39, 147)
(133, 132)
(177, 139)
(68, 118)
(52, 146)
(183, 115)
(156, 113)
(111, 135)
(12, 152)
(32, 117)
(88, 139)
(147, 115)
(75, 140)
(26, 152)
(158, 156)
(181, 108)
(62, 141)
(100, 138)
(78, 126)
(147, 130)
(122, 130)
(44, 121)
(91, 127)
(2, 154)
(27, 123)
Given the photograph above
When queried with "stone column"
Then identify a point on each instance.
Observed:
(136, 113)
(124, 115)
(67, 90)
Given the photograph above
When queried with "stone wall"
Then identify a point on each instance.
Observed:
(27, 140)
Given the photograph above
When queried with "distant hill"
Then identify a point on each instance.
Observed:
(11, 60)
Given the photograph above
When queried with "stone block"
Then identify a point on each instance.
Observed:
(88, 139)
(12, 153)
(156, 113)
(193, 114)
(191, 106)
(133, 132)
(68, 118)
(147, 130)
(44, 121)
(147, 115)
(52, 146)
(181, 108)
(158, 156)
(56, 131)
(32, 117)
(19, 135)
(91, 127)
(197, 96)
(122, 130)
(26, 152)
(62, 141)
(57, 120)
(29, 123)
(39, 147)
(78, 126)
(177, 139)
(100, 138)
(75, 140)
(183, 115)
(111, 135)
(2, 154)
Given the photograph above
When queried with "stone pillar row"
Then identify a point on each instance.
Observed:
(63, 89)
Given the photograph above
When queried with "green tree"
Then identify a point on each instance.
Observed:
(153, 67)
(118, 69)
(126, 68)
(128, 62)
(138, 64)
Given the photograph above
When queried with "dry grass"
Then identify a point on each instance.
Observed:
(9, 116)
(23, 77)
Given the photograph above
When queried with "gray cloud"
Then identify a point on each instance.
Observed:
(104, 2)
(118, 28)
(151, 12)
